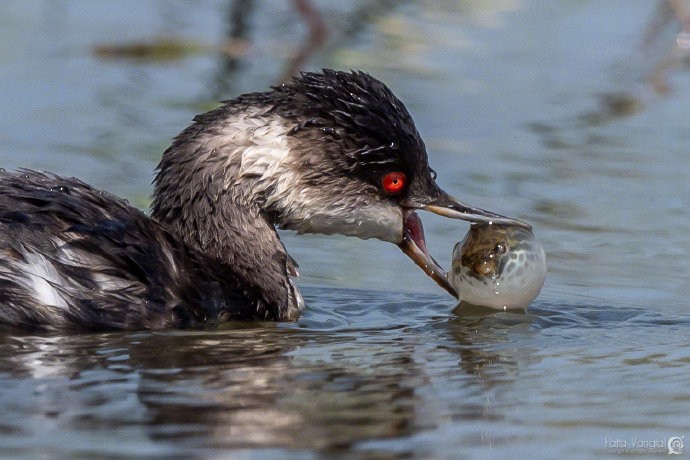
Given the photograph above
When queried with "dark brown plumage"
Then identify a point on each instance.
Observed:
(308, 156)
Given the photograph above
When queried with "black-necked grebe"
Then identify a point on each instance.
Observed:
(330, 152)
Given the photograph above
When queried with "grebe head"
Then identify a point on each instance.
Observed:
(330, 152)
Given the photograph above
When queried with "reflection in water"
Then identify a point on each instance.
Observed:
(237, 31)
(322, 34)
(266, 397)
(242, 385)
(352, 374)
(227, 388)
(485, 338)
(315, 38)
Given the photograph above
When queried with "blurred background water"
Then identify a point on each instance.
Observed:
(573, 116)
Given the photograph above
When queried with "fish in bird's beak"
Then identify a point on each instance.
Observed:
(414, 244)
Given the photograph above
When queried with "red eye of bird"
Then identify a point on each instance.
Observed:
(393, 182)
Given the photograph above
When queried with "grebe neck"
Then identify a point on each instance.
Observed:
(210, 191)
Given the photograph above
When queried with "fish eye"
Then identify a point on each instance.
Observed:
(394, 182)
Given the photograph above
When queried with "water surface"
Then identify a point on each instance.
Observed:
(543, 111)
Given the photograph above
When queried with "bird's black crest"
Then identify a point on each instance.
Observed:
(353, 109)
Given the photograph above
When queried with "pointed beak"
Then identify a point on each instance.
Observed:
(414, 247)
(414, 244)
(447, 206)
